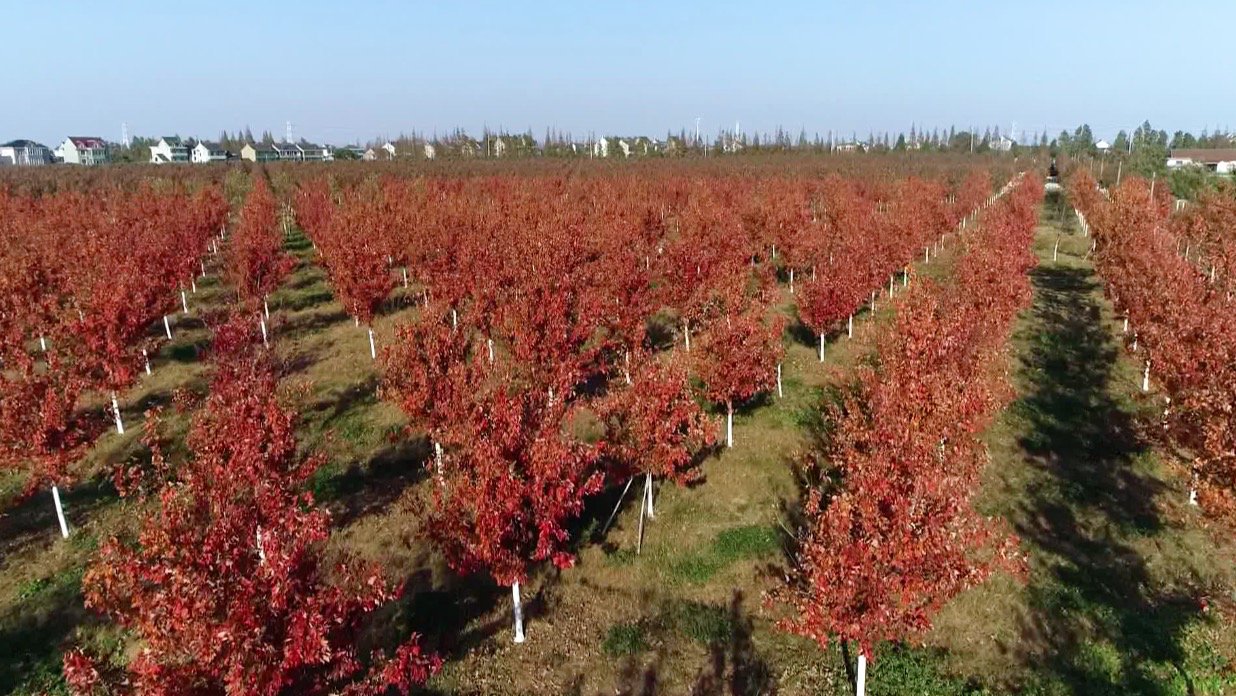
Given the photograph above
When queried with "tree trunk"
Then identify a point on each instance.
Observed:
(791, 281)
(373, 349)
(167, 328)
(437, 463)
(729, 424)
(860, 680)
(405, 277)
(116, 414)
(489, 343)
(652, 514)
(780, 393)
(849, 327)
(1146, 378)
(519, 613)
(43, 343)
(184, 302)
(64, 526)
(686, 334)
(265, 307)
(821, 346)
(265, 340)
(147, 359)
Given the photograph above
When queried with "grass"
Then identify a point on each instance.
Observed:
(625, 639)
(738, 543)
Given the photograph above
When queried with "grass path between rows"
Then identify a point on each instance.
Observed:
(1121, 570)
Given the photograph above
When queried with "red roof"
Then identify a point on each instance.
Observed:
(87, 142)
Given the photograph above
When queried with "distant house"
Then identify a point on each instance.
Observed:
(600, 148)
(84, 150)
(430, 151)
(24, 153)
(625, 147)
(288, 152)
(311, 152)
(849, 147)
(356, 150)
(258, 153)
(499, 147)
(206, 152)
(369, 155)
(1103, 147)
(168, 150)
(1219, 160)
(389, 148)
(1002, 144)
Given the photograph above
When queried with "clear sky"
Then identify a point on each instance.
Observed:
(353, 70)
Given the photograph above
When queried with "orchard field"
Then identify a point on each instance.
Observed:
(798, 425)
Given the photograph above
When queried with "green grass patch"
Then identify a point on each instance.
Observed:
(625, 639)
(898, 670)
(706, 624)
(730, 546)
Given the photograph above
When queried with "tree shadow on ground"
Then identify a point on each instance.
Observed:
(734, 667)
(1096, 612)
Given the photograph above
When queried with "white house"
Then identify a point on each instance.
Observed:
(206, 152)
(1219, 160)
(626, 148)
(311, 152)
(600, 148)
(390, 150)
(499, 147)
(1103, 146)
(85, 150)
(430, 151)
(169, 149)
(1002, 144)
(24, 153)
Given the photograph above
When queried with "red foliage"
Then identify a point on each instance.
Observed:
(898, 535)
(226, 583)
(256, 262)
(654, 426)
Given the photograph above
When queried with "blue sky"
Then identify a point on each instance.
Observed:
(347, 71)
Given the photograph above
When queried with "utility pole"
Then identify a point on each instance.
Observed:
(697, 130)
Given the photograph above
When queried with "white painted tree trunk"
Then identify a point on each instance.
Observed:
(489, 343)
(64, 526)
(167, 328)
(729, 424)
(791, 281)
(652, 514)
(821, 347)
(116, 415)
(437, 463)
(454, 317)
(926, 254)
(203, 266)
(373, 349)
(519, 613)
(265, 338)
(1055, 251)
(43, 343)
(184, 302)
(1126, 324)
(193, 283)
(266, 307)
(405, 277)
(849, 327)
(686, 334)
(627, 368)
(890, 287)
(1146, 378)
(873, 302)
(146, 358)
(860, 680)
(780, 393)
